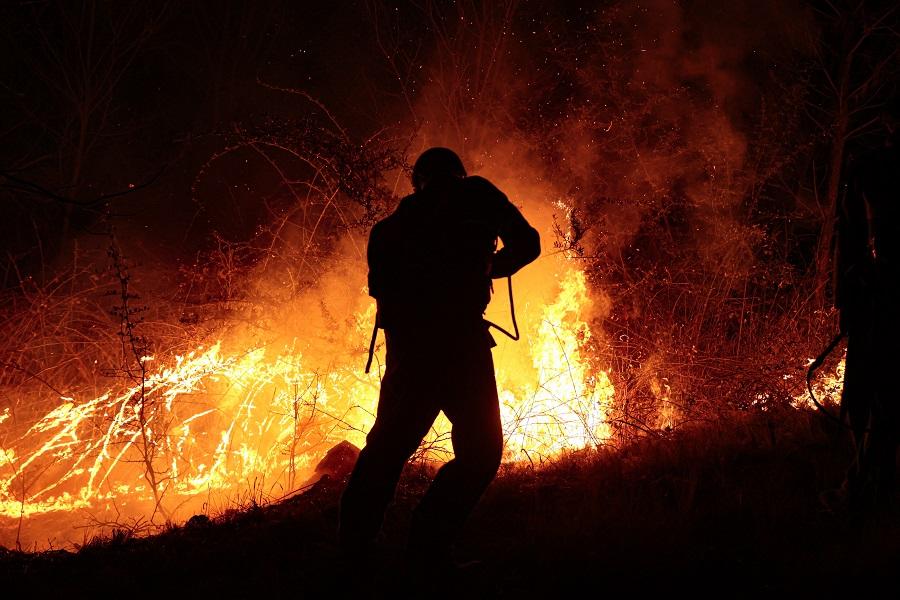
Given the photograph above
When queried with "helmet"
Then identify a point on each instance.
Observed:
(436, 163)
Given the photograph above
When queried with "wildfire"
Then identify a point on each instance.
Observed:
(214, 423)
(827, 387)
(565, 405)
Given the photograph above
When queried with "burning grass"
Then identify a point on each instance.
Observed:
(732, 508)
(134, 397)
(149, 432)
(126, 409)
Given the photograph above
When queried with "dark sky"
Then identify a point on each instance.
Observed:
(97, 96)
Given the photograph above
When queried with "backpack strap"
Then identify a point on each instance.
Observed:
(512, 312)
(372, 344)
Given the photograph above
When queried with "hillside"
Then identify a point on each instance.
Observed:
(734, 510)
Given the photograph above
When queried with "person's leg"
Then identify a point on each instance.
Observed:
(402, 420)
(477, 437)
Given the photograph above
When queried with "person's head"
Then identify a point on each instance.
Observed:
(436, 164)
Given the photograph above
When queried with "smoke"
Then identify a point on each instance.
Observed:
(637, 115)
(638, 138)
(624, 131)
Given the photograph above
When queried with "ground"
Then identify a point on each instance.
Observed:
(743, 507)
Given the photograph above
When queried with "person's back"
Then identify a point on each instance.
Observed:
(431, 262)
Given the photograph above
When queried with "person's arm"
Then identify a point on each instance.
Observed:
(521, 241)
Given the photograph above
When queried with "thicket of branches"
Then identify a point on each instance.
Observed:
(721, 287)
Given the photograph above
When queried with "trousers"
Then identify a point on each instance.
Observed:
(428, 370)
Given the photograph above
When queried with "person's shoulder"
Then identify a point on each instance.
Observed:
(479, 182)
(407, 201)
(406, 204)
(484, 189)
(395, 218)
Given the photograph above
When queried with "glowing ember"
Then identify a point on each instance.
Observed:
(220, 424)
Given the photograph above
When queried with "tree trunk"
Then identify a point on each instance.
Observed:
(824, 252)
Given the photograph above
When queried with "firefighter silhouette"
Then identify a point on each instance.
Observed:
(431, 263)
(867, 292)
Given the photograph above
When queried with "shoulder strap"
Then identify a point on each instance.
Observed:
(512, 312)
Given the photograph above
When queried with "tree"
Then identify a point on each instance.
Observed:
(66, 63)
(856, 63)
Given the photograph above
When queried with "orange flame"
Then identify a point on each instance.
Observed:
(217, 423)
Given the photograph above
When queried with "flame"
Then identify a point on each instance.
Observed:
(565, 405)
(827, 387)
(215, 422)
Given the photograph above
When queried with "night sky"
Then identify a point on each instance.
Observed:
(154, 85)
(98, 96)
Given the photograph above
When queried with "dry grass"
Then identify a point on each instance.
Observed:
(730, 510)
